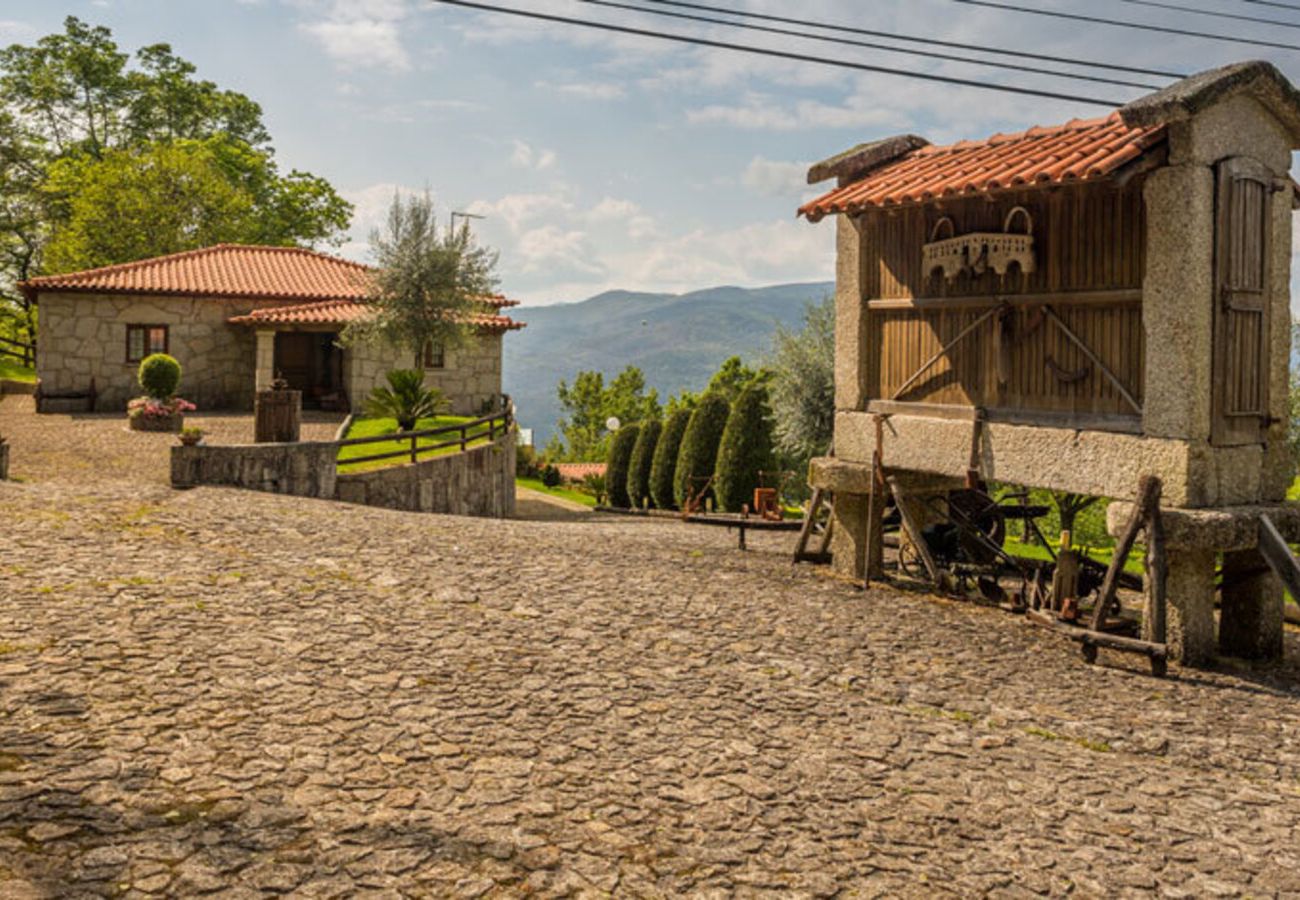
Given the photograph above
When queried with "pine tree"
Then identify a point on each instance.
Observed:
(699, 451)
(620, 458)
(745, 449)
(664, 466)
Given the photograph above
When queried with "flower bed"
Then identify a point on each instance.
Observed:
(153, 414)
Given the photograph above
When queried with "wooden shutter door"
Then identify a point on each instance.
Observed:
(1241, 319)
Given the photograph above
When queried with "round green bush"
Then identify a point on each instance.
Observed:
(664, 465)
(643, 457)
(699, 449)
(745, 450)
(619, 461)
(159, 375)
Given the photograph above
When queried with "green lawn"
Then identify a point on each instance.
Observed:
(375, 427)
(12, 370)
(564, 493)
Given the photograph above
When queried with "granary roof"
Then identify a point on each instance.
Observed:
(228, 270)
(342, 312)
(905, 170)
(1079, 150)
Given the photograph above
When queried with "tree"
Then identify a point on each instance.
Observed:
(405, 399)
(427, 281)
(589, 403)
(699, 450)
(618, 463)
(803, 385)
(664, 466)
(732, 377)
(745, 449)
(643, 454)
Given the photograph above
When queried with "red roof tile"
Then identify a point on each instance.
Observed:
(228, 270)
(341, 312)
(1079, 150)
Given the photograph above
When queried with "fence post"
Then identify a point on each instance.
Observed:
(414, 455)
(462, 439)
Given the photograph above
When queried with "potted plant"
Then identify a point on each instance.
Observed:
(159, 409)
(191, 436)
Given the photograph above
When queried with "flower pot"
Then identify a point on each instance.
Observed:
(166, 423)
(191, 440)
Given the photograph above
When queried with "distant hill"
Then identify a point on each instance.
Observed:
(678, 340)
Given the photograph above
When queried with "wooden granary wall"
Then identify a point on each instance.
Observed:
(1018, 362)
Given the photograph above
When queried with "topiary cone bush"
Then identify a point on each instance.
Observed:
(699, 449)
(745, 449)
(159, 375)
(619, 461)
(643, 456)
(664, 465)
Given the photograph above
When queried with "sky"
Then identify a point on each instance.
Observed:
(606, 161)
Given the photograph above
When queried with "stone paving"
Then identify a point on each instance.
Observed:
(216, 691)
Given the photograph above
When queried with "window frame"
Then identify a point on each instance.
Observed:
(431, 361)
(147, 349)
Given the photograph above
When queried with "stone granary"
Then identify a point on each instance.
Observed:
(1073, 307)
(236, 317)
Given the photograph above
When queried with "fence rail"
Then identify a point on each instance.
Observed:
(25, 352)
(487, 427)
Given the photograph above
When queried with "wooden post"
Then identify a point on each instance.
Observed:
(462, 438)
(1156, 616)
(874, 566)
(914, 532)
(1148, 499)
(414, 456)
(1065, 580)
(277, 417)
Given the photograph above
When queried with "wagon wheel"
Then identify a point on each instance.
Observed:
(909, 561)
(978, 512)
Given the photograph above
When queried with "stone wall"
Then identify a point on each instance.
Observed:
(306, 469)
(478, 482)
(83, 336)
(470, 377)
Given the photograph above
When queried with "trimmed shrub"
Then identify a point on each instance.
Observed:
(699, 451)
(619, 461)
(551, 476)
(159, 375)
(643, 457)
(526, 463)
(745, 449)
(664, 465)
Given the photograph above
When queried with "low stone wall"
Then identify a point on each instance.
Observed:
(478, 482)
(306, 469)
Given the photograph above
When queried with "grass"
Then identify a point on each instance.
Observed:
(15, 371)
(377, 427)
(564, 493)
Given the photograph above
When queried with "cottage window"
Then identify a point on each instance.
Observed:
(435, 355)
(142, 340)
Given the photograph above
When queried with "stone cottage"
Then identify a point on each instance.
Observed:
(237, 317)
(1072, 307)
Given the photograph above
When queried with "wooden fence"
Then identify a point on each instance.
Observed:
(25, 353)
(466, 433)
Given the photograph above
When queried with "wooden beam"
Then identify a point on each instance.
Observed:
(914, 531)
(1093, 358)
(1148, 499)
(1279, 557)
(979, 301)
(961, 336)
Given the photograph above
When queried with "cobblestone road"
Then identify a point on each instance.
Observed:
(223, 691)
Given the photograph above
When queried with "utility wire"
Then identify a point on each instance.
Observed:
(1054, 13)
(812, 36)
(1212, 12)
(914, 39)
(1273, 3)
(779, 54)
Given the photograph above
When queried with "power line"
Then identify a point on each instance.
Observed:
(778, 54)
(1054, 13)
(916, 40)
(1212, 12)
(1274, 3)
(812, 36)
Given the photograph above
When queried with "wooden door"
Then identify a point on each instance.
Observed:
(295, 359)
(1243, 226)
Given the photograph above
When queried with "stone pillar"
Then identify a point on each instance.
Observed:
(850, 316)
(1190, 589)
(1250, 616)
(265, 360)
(849, 539)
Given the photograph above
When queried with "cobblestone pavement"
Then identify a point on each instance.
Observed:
(224, 691)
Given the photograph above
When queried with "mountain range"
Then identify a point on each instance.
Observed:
(677, 340)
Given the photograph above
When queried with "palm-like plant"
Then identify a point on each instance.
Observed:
(406, 399)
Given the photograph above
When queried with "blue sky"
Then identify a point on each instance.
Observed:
(608, 161)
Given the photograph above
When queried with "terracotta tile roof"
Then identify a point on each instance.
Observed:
(579, 471)
(341, 312)
(228, 270)
(1081, 149)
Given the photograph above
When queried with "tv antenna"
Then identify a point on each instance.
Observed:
(463, 215)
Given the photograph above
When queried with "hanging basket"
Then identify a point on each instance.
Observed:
(980, 251)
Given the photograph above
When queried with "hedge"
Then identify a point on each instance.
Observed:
(664, 465)
(619, 460)
(643, 455)
(745, 449)
(699, 451)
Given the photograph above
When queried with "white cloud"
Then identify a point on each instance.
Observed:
(362, 33)
(585, 90)
(14, 32)
(525, 156)
(773, 178)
